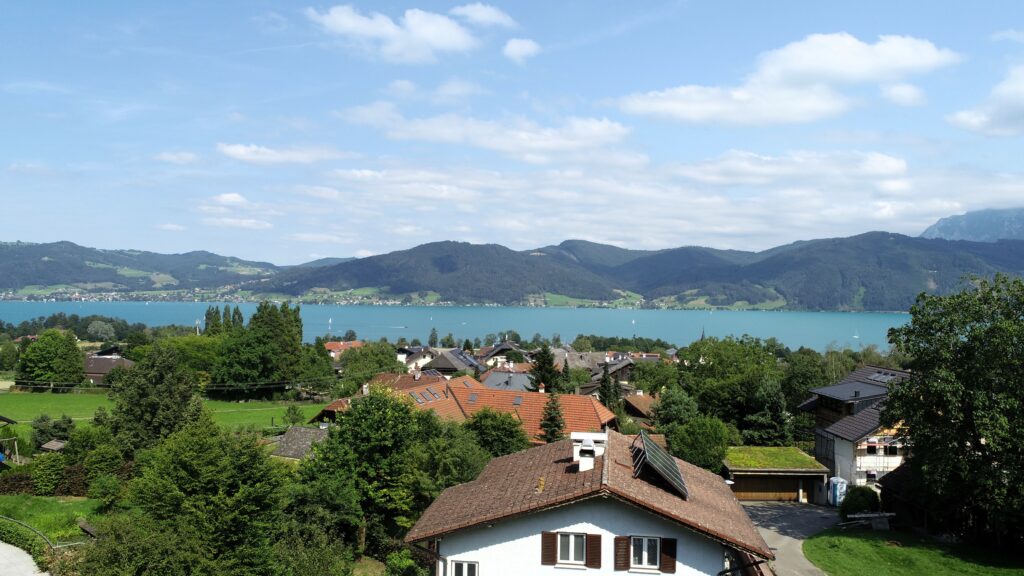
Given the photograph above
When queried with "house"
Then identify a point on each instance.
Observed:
(415, 357)
(516, 381)
(640, 407)
(98, 367)
(783, 473)
(336, 349)
(453, 361)
(498, 354)
(426, 391)
(297, 442)
(848, 437)
(591, 504)
(404, 381)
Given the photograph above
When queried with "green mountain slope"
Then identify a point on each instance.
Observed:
(91, 269)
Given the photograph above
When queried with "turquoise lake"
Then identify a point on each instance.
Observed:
(811, 329)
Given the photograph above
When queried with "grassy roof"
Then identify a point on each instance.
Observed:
(769, 458)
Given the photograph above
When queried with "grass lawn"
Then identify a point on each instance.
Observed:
(854, 551)
(770, 457)
(23, 407)
(57, 517)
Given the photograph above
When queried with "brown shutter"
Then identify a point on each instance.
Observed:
(593, 551)
(668, 556)
(548, 548)
(621, 553)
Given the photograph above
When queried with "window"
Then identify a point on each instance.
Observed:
(645, 552)
(571, 548)
(892, 450)
(464, 568)
(872, 449)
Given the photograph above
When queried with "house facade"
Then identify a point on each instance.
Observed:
(596, 504)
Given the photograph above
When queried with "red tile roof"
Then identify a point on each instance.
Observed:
(539, 478)
(405, 380)
(642, 404)
(581, 413)
(342, 346)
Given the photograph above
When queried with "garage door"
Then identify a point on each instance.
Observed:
(766, 488)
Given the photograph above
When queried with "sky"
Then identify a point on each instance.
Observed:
(289, 131)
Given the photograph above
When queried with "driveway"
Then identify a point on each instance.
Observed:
(16, 562)
(784, 526)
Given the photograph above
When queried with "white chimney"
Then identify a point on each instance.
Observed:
(366, 389)
(586, 446)
(587, 453)
(540, 387)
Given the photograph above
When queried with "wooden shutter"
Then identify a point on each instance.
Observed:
(548, 548)
(621, 553)
(593, 558)
(668, 556)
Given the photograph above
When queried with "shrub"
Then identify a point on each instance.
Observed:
(401, 563)
(73, 483)
(103, 460)
(107, 489)
(47, 472)
(16, 482)
(25, 539)
(858, 499)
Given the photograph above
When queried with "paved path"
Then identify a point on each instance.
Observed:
(784, 526)
(16, 562)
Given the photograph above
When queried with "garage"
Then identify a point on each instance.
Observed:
(774, 473)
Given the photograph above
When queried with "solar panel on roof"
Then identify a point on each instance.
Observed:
(661, 462)
(416, 398)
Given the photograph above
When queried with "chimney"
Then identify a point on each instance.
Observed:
(416, 375)
(856, 393)
(366, 389)
(587, 454)
(540, 387)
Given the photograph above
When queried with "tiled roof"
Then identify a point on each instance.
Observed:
(866, 382)
(104, 364)
(514, 381)
(642, 404)
(298, 441)
(858, 426)
(544, 477)
(428, 392)
(403, 381)
(580, 413)
(342, 346)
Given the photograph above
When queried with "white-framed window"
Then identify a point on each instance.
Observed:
(645, 552)
(572, 548)
(461, 568)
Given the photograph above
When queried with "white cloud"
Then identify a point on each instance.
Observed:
(322, 192)
(1009, 35)
(243, 223)
(401, 88)
(484, 15)
(322, 238)
(229, 199)
(180, 158)
(169, 227)
(797, 83)
(746, 168)
(417, 37)
(518, 137)
(455, 90)
(255, 154)
(1002, 112)
(519, 49)
(903, 94)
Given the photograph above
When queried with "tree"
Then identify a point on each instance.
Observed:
(544, 371)
(701, 441)
(772, 425)
(448, 341)
(153, 399)
(224, 487)
(267, 351)
(674, 408)
(212, 322)
(350, 336)
(45, 429)
(500, 433)
(653, 377)
(962, 409)
(401, 563)
(432, 341)
(610, 393)
(293, 415)
(8, 353)
(54, 357)
(552, 424)
(467, 346)
(101, 331)
(360, 365)
(237, 319)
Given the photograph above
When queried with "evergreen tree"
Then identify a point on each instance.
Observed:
(552, 424)
(237, 320)
(544, 371)
(467, 346)
(772, 424)
(350, 336)
(432, 341)
(448, 341)
(609, 393)
(226, 322)
(212, 322)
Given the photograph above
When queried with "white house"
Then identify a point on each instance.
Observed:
(599, 503)
(862, 450)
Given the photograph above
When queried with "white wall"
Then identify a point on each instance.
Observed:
(512, 547)
(845, 462)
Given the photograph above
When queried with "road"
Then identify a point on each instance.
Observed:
(784, 526)
(16, 562)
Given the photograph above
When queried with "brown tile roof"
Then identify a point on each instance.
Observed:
(581, 413)
(545, 476)
(405, 381)
(429, 392)
(642, 404)
(342, 346)
(102, 365)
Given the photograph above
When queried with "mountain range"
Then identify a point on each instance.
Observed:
(872, 271)
(980, 226)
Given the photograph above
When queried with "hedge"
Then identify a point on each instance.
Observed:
(25, 539)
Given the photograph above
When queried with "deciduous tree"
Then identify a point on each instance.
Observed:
(54, 357)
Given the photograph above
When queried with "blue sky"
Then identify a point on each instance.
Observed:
(289, 131)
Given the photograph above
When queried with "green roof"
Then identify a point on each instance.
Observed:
(769, 458)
